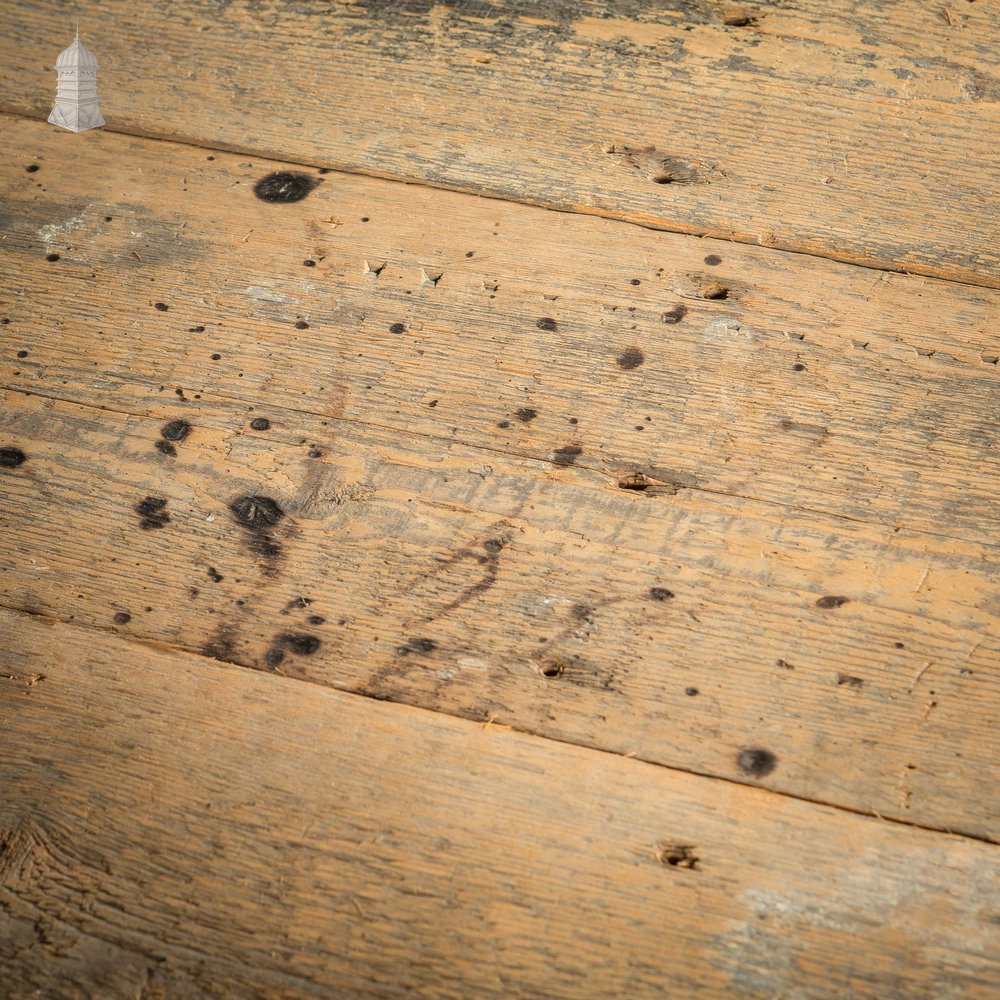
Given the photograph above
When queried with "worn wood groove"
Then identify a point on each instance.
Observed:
(175, 829)
(811, 384)
(662, 115)
(681, 627)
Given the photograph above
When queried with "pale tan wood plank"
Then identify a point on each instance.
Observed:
(862, 131)
(180, 829)
(883, 411)
(686, 629)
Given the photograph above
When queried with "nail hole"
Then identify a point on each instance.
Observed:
(677, 856)
(715, 291)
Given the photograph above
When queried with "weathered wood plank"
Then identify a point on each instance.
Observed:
(862, 131)
(811, 384)
(173, 828)
(687, 629)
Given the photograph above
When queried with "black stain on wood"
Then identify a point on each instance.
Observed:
(152, 513)
(122, 618)
(397, 328)
(31, 167)
(258, 514)
(161, 306)
(284, 187)
(546, 323)
(674, 314)
(566, 455)
(660, 593)
(759, 763)
(52, 257)
(691, 692)
(176, 430)
(260, 424)
(831, 601)
(165, 448)
(713, 260)
(301, 324)
(11, 458)
(631, 358)
(316, 620)
(222, 644)
(214, 575)
(526, 414)
(416, 646)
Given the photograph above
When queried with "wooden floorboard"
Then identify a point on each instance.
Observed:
(173, 828)
(811, 384)
(861, 131)
(686, 629)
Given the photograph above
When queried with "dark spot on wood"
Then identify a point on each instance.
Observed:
(546, 323)
(417, 646)
(301, 325)
(660, 593)
(631, 358)
(260, 424)
(152, 513)
(469, 253)
(739, 21)
(297, 603)
(899, 645)
(831, 602)
(284, 187)
(216, 357)
(691, 692)
(784, 664)
(122, 618)
(364, 218)
(714, 291)
(196, 329)
(678, 856)
(433, 403)
(316, 620)
(215, 575)
(849, 680)
(161, 306)
(566, 455)
(22, 354)
(713, 260)
(299, 643)
(798, 367)
(315, 453)
(573, 420)
(581, 612)
(674, 314)
(526, 414)
(165, 447)
(52, 257)
(309, 263)
(176, 430)
(635, 281)
(493, 545)
(397, 328)
(256, 513)
(11, 458)
(759, 763)
(222, 645)
(504, 424)
(31, 167)
(108, 218)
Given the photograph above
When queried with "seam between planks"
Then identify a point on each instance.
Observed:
(484, 723)
(666, 227)
(487, 450)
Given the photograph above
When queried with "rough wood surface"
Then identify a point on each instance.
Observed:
(686, 629)
(812, 384)
(170, 828)
(864, 131)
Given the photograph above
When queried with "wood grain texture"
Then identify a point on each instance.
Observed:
(179, 830)
(863, 131)
(812, 384)
(686, 629)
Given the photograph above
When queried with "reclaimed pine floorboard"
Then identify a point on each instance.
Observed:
(409, 593)
(855, 129)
